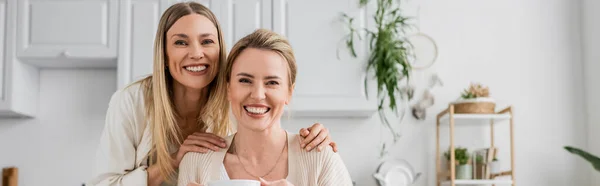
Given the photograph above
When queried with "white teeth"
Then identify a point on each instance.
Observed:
(256, 110)
(196, 68)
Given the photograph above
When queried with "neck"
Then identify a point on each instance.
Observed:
(188, 102)
(260, 146)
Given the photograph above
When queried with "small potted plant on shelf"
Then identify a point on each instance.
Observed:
(475, 100)
(495, 166)
(480, 166)
(464, 170)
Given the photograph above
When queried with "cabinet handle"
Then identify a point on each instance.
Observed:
(66, 54)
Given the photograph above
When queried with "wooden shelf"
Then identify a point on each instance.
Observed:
(479, 182)
(483, 117)
(487, 119)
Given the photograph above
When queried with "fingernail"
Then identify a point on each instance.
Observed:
(320, 148)
(302, 145)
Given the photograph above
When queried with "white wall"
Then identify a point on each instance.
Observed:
(526, 51)
(591, 62)
(58, 147)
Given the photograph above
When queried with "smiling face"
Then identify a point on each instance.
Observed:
(192, 48)
(259, 88)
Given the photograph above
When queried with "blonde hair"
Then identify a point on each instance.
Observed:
(160, 110)
(267, 40)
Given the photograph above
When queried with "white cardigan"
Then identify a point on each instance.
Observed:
(313, 168)
(121, 157)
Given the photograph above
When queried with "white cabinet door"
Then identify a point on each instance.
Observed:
(19, 83)
(65, 29)
(326, 86)
(241, 17)
(139, 22)
(3, 59)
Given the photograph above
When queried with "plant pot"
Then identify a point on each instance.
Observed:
(464, 172)
(475, 106)
(495, 167)
(480, 171)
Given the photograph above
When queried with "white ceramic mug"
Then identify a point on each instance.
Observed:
(234, 183)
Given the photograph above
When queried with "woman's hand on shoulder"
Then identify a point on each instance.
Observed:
(198, 142)
(281, 182)
(316, 136)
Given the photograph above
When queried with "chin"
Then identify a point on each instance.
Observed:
(256, 126)
(197, 85)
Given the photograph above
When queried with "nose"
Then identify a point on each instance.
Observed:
(196, 52)
(258, 92)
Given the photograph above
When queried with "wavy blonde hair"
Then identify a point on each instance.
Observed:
(259, 39)
(157, 89)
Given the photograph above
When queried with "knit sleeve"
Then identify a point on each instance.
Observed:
(194, 168)
(333, 171)
(116, 154)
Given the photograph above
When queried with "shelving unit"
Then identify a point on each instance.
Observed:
(479, 182)
(450, 117)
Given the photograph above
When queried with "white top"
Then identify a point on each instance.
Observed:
(224, 175)
(121, 157)
(324, 168)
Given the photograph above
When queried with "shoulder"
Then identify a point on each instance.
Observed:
(132, 94)
(194, 162)
(294, 144)
(326, 166)
(194, 168)
(126, 110)
(200, 167)
(312, 157)
(196, 159)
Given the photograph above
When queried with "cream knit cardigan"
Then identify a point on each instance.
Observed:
(313, 168)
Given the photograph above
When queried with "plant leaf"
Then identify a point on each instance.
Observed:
(594, 160)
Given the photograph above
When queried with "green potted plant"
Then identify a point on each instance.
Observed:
(464, 170)
(388, 56)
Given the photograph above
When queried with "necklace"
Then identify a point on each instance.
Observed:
(272, 168)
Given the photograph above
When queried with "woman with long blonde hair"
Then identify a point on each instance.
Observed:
(152, 123)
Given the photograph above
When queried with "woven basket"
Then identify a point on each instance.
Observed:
(475, 106)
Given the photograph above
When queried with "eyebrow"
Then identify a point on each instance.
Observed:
(186, 36)
(251, 76)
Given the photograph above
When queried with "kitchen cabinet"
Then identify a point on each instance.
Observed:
(326, 86)
(241, 17)
(67, 33)
(19, 83)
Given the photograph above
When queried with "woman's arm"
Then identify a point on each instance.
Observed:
(116, 154)
(334, 171)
